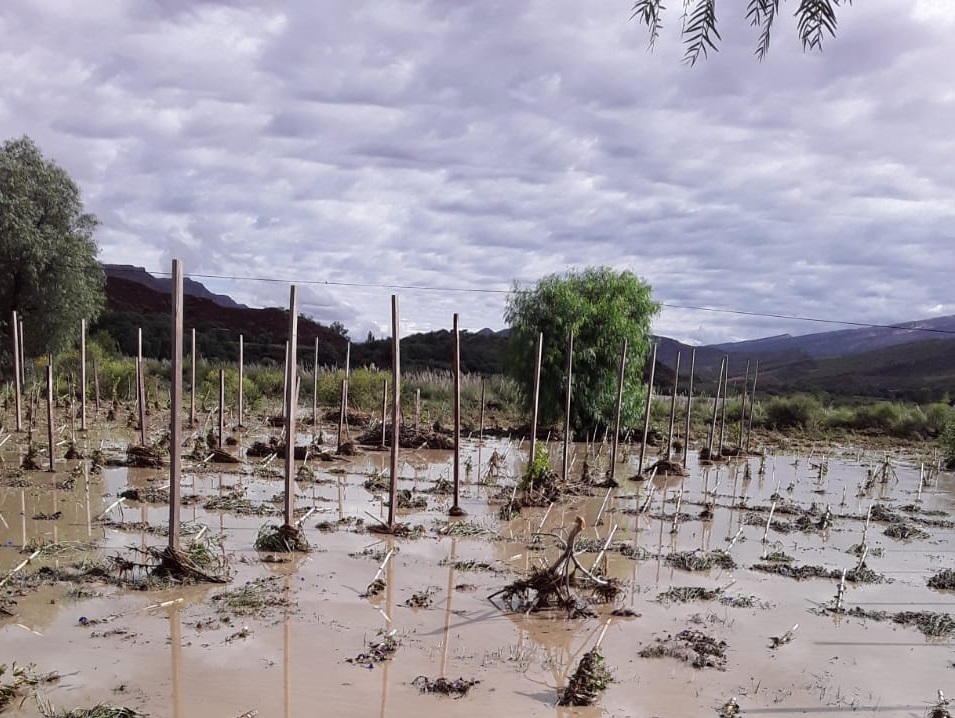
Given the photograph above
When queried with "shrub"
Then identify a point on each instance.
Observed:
(799, 411)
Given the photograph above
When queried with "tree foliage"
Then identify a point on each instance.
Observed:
(50, 274)
(814, 20)
(602, 307)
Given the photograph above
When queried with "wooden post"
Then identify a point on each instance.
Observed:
(241, 380)
(395, 409)
(285, 381)
(716, 404)
(17, 383)
(141, 399)
(291, 396)
(23, 357)
(175, 401)
(646, 411)
(95, 385)
(676, 385)
(726, 390)
(417, 411)
(538, 354)
(752, 407)
(384, 410)
(617, 409)
(192, 381)
(341, 414)
(221, 407)
(49, 411)
(140, 382)
(742, 407)
(82, 375)
(315, 392)
(456, 509)
(483, 404)
(689, 405)
(568, 393)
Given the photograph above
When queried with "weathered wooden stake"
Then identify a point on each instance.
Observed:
(742, 407)
(538, 354)
(221, 407)
(343, 407)
(384, 410)
(49, 411)
(676, 386)
(192, 381)
(417, 411)
(285, 381)
(456, 509)
(568, 394)
(726, 391)
(752, 407)
(291, 396)
(716, 406)
(241, 398)
(95, 385)
(23, 357)
(17, 383)
(617, 410)
(141, 399)
(646, 410)
(395, 409)
(315, 391)
(82, 375)
(689, 406)
(483, 404)
(175, 401)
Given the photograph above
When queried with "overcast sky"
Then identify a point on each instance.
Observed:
(465, 145)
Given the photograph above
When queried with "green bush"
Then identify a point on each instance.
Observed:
(800, 411)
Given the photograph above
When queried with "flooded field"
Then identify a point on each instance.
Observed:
(794, 585)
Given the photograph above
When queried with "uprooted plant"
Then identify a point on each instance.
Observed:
(553, 587)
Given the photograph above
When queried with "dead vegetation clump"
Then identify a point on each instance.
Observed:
(280, 539)
(905, 531)
(589, 680)
(407, 500)
(256, 598)
(457, 688)
(422, 599)
(381, 649)
(198, 564)
(667, 467)
(701, 560)
(236, 503)
(931, 623)
(408, 438)
(859, 574)
(685, 594)
(943, 580)
(101, 710)
(147, 457)
(23, 679)
(690, 646)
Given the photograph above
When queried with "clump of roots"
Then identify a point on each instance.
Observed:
(177, 565)
(458, 688)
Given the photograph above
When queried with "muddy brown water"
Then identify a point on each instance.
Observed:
(184, 660)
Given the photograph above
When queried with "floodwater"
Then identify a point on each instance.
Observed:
(172, 653)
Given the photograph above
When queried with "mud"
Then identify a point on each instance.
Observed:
(292, 636)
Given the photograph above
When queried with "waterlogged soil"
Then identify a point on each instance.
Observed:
(292, 635)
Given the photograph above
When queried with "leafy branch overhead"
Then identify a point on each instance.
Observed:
(814, 20)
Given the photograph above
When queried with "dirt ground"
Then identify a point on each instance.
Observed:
(302, 635)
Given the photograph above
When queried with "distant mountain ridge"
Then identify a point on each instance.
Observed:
(190, 287)
(913, 359)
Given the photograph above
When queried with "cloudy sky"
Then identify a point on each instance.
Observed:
(462, 145)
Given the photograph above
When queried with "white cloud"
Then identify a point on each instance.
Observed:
(468, 145)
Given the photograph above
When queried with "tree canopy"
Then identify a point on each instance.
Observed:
(602, 307)
(814, 20)
(50, 274)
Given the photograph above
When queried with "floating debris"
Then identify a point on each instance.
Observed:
(378, 650)
(458, 688)
(422, 599)
(589, 680)
(685, 594)
(278, 539)
(690, 646)
(943, 580)
(700, 560)
(256, 598)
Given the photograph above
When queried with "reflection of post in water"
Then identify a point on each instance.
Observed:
(86, 482)
(175, 647)
(23, 518)
(660, 540)
(447, 608)
(389, 612)
(286, 640)
(56, 510)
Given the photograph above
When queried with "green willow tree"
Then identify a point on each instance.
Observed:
(50, 274)
(814, 20)
(602, 307)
